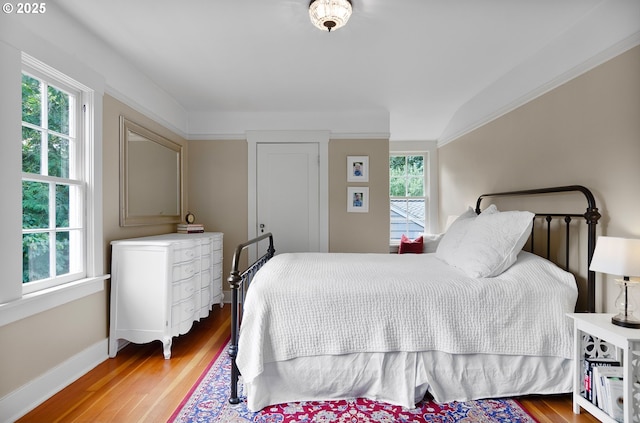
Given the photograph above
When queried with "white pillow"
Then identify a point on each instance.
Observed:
(430, 242)
(492, 243)
(452, 238)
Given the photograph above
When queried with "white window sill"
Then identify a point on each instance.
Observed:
(46, 299)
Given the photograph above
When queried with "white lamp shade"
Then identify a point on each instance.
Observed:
(616, 256)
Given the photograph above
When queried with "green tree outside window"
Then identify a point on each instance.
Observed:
(46, 149)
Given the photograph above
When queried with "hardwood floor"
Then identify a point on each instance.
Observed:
(139, 385)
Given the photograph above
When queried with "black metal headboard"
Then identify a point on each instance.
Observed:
(591, 215)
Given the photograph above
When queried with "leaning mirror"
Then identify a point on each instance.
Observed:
(150, 177)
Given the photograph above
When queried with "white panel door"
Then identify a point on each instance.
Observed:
(288, 195)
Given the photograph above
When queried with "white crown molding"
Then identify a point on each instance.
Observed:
(152, 114)
(333, 136)
(211, 125)
(608, 30)
(454, 131)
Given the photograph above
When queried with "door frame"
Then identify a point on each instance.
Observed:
(283, 137)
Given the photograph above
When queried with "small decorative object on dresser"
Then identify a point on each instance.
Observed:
(161, 284)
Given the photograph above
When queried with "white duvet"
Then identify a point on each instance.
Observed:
(308, 304)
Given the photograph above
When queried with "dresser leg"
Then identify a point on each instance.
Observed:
(167, 348)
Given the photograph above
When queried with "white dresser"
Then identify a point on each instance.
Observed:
(161, 284)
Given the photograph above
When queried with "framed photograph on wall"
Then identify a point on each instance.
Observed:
(358, 199)
(357, 168)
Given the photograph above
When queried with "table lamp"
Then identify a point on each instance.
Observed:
(620, 256)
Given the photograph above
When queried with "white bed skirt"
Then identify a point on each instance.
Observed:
(403, 378)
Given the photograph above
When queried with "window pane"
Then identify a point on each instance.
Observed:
(397, 165)
(415, 187)
(397, 187)
(62, 253)
(58, 111)
(58, 157)
(35, 257)
(407, 217)
(31, 150)
(62, 206)
(398, 219)
(35, 205)
(31, 104)
(415, 165)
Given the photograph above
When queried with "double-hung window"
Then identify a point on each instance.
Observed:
(53, 182)
(408, 195)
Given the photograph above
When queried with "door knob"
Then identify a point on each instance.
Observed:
(262, 228)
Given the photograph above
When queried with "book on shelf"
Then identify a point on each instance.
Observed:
(190, 228)
(608, 383)
(589, 365)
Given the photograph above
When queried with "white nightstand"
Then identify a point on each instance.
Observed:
(626, 343)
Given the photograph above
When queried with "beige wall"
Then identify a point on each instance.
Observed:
(218, 194)
(218, 191)
(585, 132)
(36, 344)
(359, 232)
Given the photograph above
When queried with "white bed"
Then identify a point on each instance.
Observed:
(479, 318)
(390, 327)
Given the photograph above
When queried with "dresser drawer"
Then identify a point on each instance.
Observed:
(206, 247)
(182, 311)
(217, 243)
(185, 270)
(216, 290)
(186, 251)
(183, 289)
(206, 262)
(205, 302)
(205, 278)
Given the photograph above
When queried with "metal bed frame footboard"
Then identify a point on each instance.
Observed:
(239, 283)
(591, 215)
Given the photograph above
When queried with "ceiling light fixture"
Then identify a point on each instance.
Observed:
(329, 15)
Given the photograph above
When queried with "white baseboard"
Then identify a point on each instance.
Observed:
(29, 396)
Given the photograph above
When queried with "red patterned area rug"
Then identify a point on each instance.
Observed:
(208, 402)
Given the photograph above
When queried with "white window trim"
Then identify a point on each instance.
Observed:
(49, 298)
(32, 303)
(431, 173)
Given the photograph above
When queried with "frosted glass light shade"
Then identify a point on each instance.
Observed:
(329, 15)
(616, 256)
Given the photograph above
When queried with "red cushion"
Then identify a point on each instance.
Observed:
(409, 246)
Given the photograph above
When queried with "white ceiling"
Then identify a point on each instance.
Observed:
(435, 67)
